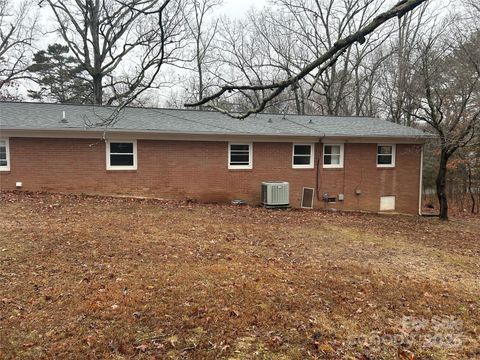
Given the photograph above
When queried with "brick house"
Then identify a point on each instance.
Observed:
(351, 163)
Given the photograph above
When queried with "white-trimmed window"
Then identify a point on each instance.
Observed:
(386, 155)
(302, 157)
(333, 156)
(240, 155)
(4, 155)
(122, 155)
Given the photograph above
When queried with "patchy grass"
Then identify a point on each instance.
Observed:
(118, 278)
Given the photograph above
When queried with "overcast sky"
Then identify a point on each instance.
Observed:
(237, 8)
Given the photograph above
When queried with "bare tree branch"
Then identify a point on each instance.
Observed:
(18, 26)
(341, 45)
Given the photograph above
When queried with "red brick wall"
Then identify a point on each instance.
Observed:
(198, 170)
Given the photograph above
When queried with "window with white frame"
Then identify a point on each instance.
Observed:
(386, 155)
(121, 155)
(333, 155)
(4, 155)
(240, 155)
(302, 156)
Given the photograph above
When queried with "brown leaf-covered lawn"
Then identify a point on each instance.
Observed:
(86, 277)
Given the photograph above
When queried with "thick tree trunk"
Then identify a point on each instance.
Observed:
(98, 89)
(441, 186)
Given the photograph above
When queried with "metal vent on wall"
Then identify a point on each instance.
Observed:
(307, 198)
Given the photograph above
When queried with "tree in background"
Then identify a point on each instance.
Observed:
(278, 42)
(318, 65)
(10, 92)
(121, 44)
(448, 98)
(202, 33)
(61, 77)
(398, 67)
(18, 27)
(463, 182)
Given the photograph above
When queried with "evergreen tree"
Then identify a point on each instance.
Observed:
(59, 76)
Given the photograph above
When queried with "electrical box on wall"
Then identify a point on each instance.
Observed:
(358, 192)
(18, 184)
(341, 197)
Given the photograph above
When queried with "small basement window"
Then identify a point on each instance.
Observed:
(4, 155)
(333, 155)
(386, 155)
(302, 156)
(240, 156)
(121, 155)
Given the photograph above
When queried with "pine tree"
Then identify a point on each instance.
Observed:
(59, 76)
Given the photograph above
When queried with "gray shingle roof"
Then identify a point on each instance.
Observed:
(37, 116)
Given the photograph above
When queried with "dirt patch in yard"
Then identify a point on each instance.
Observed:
(95, 277)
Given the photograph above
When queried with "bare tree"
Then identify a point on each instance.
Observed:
(257, 51)
(18, 26)
(468, 174)
(279, 42)
(398, 70)
(121, 44)
(320, 64)
(319, 25)
(449, 99)
(202, 31)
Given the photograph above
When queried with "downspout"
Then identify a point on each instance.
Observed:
(420, 182)
(319, 149)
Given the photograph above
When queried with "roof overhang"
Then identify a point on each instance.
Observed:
(150, 135)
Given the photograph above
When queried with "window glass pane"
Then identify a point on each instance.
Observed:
(239, 158)
(332, 149)
(239, 154)
(121, 160)
(3, 153)
(122, 148)
(302, 149)
(331, 159)
(239, 147)
(301, 160)
(384, 159)
(335, 159)
(385, 150)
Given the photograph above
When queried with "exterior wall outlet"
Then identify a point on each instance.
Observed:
(358, 192)
(18, 184)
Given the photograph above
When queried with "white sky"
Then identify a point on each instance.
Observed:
(238, 8)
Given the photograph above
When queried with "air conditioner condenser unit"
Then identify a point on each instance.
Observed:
(275, 194)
